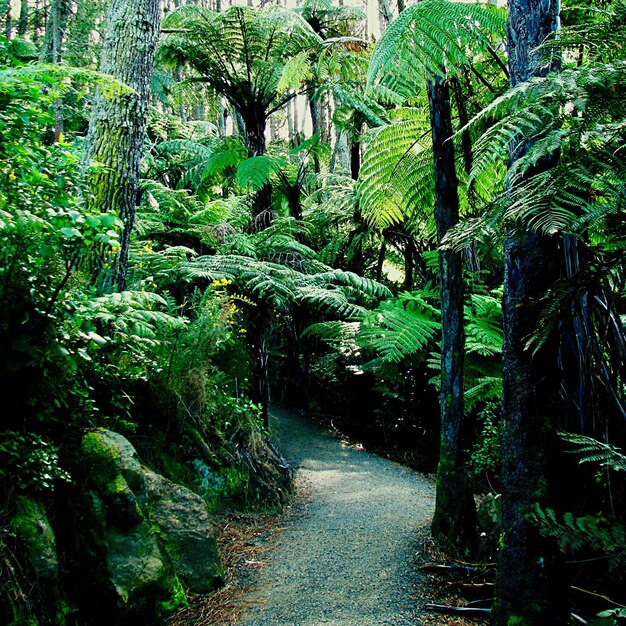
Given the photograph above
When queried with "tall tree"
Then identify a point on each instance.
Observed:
(52, 50)
(454, 520)
(118, 123)
(531, 587)
(414, 52)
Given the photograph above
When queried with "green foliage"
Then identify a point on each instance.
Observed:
(612, 617)
(176, 601)
(593, 532)
(248, 55)
(430, 35)
(395, 180)
(594, 451)
(483, 329)
(401, 326)
(485, 457)
(29, 463)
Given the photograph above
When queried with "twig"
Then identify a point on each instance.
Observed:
(456, 610)
(599, 596)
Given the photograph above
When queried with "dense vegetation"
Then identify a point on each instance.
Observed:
(420, 237)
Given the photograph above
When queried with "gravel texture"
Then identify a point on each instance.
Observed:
(346, 556)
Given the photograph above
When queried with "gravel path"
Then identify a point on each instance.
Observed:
(345, 558)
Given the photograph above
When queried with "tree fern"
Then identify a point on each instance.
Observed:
(242, 52)
(429, 35)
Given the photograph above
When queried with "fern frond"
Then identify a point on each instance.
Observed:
(395, 179)
(428, 36)
(575, 533)
(483, 326)
(334, 333)
(482, 389)
(396, 329)
(594, 451)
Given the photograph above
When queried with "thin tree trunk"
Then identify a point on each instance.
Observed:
(22, 25)
(385, 15)
(52, 51)
(6, 8)
(531, 585)
(255, 122)
(454, 521)
(339, 159)
(381, 259)
(409, 264)
(315, 108)
(118, 123)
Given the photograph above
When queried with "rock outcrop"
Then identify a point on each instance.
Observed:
(155, 534)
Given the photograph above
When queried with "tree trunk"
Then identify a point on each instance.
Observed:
(409, 264)
(51, 49)
(531, 585)
(316, 126)
(22, 24)
(255, 122)
(385, 15)
(454, 521)
(118, 124)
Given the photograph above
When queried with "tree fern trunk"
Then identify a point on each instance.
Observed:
(255, 122)
(531, 586)
(454, 521)
(118, 123)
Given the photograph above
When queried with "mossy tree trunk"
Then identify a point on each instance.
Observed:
(118, 123)
(454, 521)
(531, 585)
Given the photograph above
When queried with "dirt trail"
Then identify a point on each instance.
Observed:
(345, 558)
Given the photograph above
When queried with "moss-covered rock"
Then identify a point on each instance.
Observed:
(36, 537)
(156, 533)
(186, 532)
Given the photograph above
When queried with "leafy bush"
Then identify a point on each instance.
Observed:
(29, 463)
(485, 456)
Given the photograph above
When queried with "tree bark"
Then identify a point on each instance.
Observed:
(52, 51)
(118, 123)
(22, 24)
(531, 585)
(255, 122)
(454, 521)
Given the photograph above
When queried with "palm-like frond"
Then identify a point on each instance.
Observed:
(594, 451)
(395, 180)
(428, 36)
(483, 326)
(241, 52)
(400, 327)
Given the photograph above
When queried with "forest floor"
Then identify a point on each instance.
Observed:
(347, 553)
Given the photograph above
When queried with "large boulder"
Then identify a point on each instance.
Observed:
(186, 532)
(36, 538)
(34, 545)
(156, 533)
